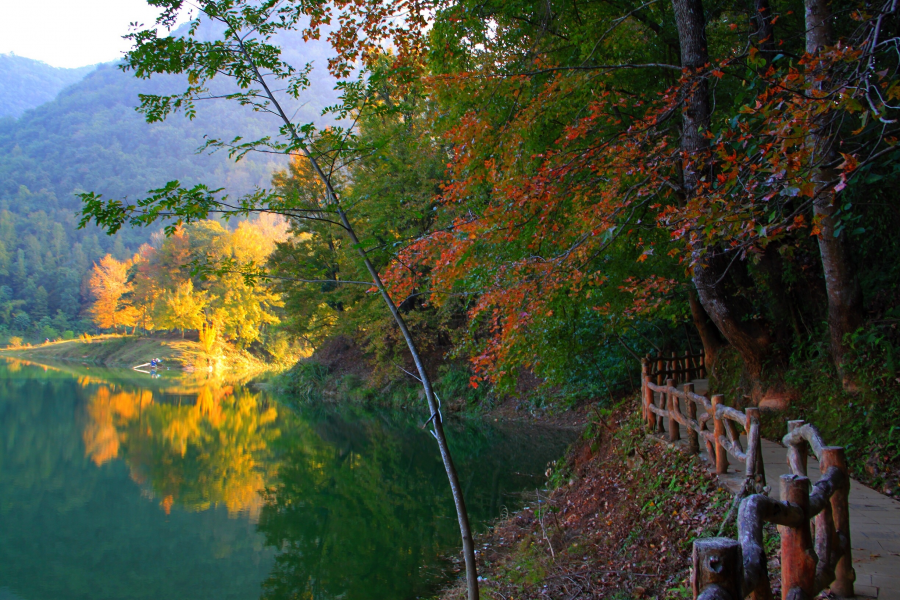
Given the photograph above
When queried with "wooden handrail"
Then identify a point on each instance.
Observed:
(807, 566)
(723, 440)
(682, 368)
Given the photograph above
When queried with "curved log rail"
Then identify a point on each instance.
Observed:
(812, 558)
(723, 439)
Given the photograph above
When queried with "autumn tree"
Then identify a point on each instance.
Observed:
(181, 308)
(109, 287)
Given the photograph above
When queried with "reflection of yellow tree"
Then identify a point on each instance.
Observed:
(213, 452)
(107, 408)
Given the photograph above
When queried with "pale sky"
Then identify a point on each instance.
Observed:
(70, 33)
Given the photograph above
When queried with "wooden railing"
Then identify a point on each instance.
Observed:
(723, 439)
(811, 559)
(686, 367)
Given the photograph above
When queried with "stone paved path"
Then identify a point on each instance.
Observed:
(874, 519)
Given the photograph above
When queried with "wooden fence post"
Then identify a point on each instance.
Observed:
(845, 575)
(798, 563)
(663, 402)
(693, 440)
(672, 405)
(797, 454)
(755, 466)
(718, 568)
(647, 393)
(660, 370)
(718, 432)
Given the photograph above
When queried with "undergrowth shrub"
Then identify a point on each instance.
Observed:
(865, 423)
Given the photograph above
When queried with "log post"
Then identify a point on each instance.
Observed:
(845, 575)
(755, 467)
(719, 432)
(692, 436)
(672, 405)
(660, 371)
(663, 402)
(827, 547)
(717, 568)
(647, 393)
(798, 560)
(797, 454)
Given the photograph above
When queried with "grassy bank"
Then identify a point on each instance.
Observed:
(130, 351)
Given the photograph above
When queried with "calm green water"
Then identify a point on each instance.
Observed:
(116, 486)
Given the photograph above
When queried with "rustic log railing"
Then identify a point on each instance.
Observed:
(723, 439)
(686, 367)
(812, 559)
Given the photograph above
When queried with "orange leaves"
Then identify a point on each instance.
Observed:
(550, 177)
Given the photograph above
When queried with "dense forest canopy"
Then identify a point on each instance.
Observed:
(155, 289)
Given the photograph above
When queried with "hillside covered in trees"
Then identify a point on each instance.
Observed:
(27, 83)
(547, 198)
(89, 137)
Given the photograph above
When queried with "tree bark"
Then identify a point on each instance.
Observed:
(709, 335)
(845, 301)
(765, 30)
(710, 270)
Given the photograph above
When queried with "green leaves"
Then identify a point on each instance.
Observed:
(184, 205)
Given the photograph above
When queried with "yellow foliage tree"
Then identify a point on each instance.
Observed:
(109, 286)
(181, 308)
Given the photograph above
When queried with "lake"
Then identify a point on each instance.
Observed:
(114, 485)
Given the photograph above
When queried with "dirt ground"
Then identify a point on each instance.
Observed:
(619, 522)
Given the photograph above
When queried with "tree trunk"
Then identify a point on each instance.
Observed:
(462, 514)
(764, 36)
(710, 270)
(709, 335)
(845, 302)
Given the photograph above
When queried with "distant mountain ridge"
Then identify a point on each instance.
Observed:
(26, 83)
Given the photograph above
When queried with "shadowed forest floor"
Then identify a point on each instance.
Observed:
(619, 523)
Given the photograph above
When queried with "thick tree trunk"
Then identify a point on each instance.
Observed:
(710, 271)
(845, 302)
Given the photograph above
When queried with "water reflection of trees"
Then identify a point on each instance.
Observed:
(353, 503)
(358, 511)
(209, 452)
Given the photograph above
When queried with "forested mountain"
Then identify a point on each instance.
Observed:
(91, 138)
(27, 83)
